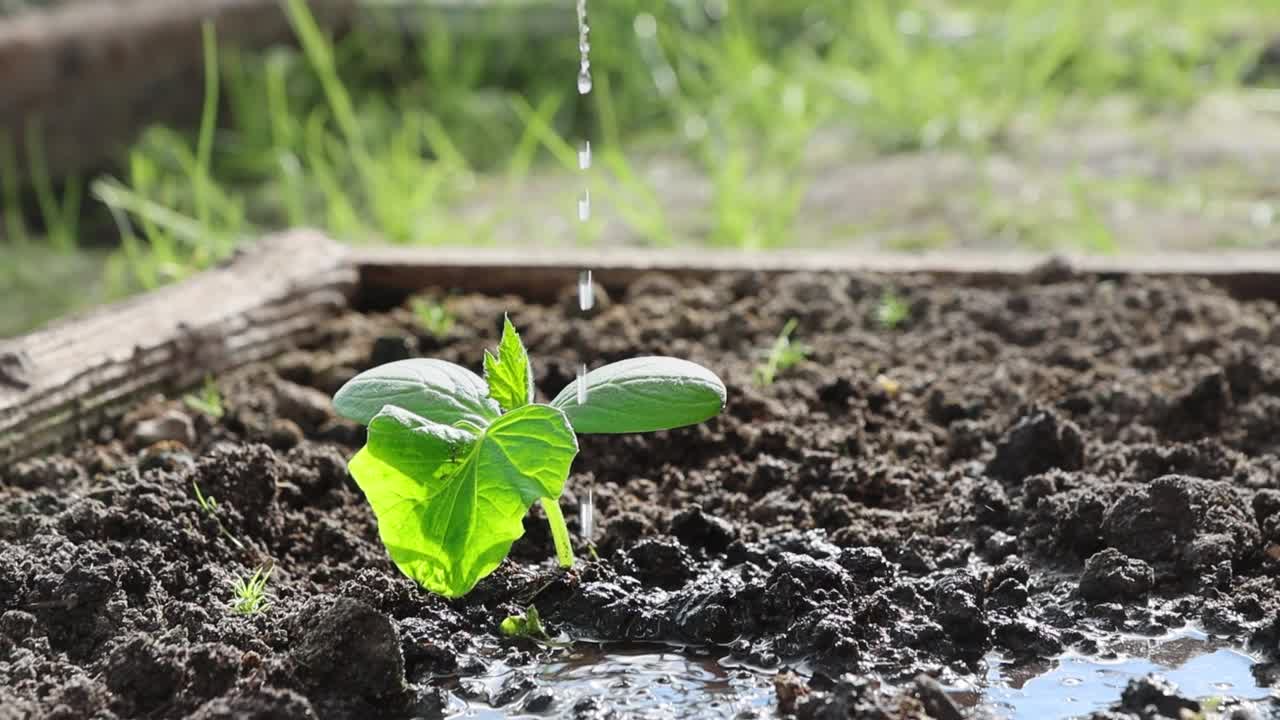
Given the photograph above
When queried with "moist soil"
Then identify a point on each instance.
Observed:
(1023, 470)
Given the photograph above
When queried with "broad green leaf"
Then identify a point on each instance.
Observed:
(449, 502)
(509, 374)
(642, 395)
(435, 389)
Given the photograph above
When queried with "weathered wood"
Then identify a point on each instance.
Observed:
(59, 383)
(388, 274)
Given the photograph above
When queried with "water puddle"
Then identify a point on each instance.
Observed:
(640, 684)
(696, 685)
(1074, 684)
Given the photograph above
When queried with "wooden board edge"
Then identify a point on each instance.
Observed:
(389, 273)
(74, 376)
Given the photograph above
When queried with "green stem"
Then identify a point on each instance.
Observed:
(559, 532)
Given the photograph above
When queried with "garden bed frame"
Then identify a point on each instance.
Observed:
(60, 384)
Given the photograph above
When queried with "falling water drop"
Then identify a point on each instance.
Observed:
(586, 291)
(584, 155)
(582, 384)
(584, 49)
(584, 205)
(587, 516)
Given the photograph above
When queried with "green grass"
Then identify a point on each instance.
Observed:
(382, 137)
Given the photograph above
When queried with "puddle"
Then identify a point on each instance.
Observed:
(644, 684)
(1073, 684)
(661, 683)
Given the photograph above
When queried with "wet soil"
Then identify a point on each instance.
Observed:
(1053, 466)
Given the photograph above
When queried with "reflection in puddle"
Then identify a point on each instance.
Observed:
(1075, 685)
(644, 684)
(662, 683)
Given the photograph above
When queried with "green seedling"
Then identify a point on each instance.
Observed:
(783, 355)
(432, 317)
(250, 594)
(209, 504)
(892, 311)
(529, 625)
(207, 401)
(453, 462)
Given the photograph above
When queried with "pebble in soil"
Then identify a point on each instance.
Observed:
(1030, 473)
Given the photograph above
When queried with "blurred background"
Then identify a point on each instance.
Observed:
(142, 140)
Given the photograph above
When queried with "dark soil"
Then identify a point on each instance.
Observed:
(1019, 470)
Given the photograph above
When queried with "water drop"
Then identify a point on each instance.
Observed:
(586, 291)
(584, 79)
(584, 206)
(582, 384)
(587, 516)
(584, 155)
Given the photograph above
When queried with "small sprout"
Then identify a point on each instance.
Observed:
(529, 625)
(892, 311)
(432, 316)
(783, 355)
(526, 625)
(453, 461)
(209, 504)
(251, 595)
(208, 401)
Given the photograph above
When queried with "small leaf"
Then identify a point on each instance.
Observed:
(510, 376)
(643, 395)
(449, 502)
(435, 389)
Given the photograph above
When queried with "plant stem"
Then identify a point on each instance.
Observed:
(559, 532)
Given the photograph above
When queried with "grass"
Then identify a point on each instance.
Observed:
(386, 136)
(249, 594)
(781, 356)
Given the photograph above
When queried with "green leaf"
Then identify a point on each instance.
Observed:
(450, 502)
(510, 376)
(435, 389)
(642, 395)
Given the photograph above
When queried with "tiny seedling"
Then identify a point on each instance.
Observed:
(783, 355)
(207, 401)
(529, 625)
(432, 316)
(453, 462)
(209, 504)
(250, 593)
(892, 311)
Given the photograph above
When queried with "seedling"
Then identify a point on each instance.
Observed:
(453, 462)
(251, 595)
(433, 317)
(892, 310)
(209, 504)
(529, 625)
(208, 401)
(783, 355)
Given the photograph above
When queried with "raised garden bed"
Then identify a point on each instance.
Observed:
(1030, 461)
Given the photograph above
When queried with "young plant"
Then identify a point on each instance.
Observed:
(207, 401)
(783, 355)
(453, 462)
(892, 311)
(250, 594)
(432, 316)
(209, 504)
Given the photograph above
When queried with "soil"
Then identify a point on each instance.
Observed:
(1018, 470)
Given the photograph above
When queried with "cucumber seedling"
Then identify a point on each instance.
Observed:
(453, 462)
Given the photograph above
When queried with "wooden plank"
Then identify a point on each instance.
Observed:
(59, 383)
(388, 274)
